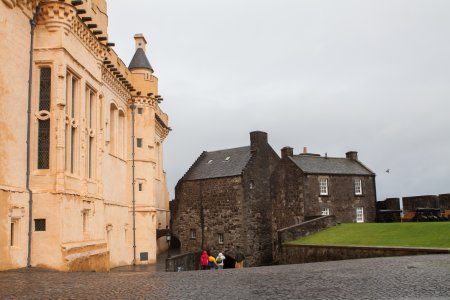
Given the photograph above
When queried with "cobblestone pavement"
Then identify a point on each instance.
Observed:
(417, 277)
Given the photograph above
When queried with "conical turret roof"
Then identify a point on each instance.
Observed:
(140, 61)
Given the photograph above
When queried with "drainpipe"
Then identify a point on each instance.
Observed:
(202, 217)
(33, 22)
(132, 106)
(375, 194)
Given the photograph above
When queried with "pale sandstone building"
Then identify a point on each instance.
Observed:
(78, 197)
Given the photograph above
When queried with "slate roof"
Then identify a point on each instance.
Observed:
(140, 61)
(215, 164)
(330, 165)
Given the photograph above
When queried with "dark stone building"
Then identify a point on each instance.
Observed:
(223, 202)
(306, 186)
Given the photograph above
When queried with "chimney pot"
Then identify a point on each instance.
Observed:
(305, 150)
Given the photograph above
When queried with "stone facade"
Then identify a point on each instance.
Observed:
(297, 195)
(223, 202)
(80, 186)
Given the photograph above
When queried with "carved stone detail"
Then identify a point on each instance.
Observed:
(56, 15)
(88, 38)
(115, 84)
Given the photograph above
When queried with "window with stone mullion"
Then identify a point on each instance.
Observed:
(90, 132)
(43, 149)
(72, 85)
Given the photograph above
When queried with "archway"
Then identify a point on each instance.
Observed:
(229, 262)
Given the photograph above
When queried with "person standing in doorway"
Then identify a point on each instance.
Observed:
(219, 259)
(239, 259)
(204, 260)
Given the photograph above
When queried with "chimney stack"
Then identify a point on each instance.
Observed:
(140, 41)
(305, 150)
(287, 152)
(257, 139)
(353, 155)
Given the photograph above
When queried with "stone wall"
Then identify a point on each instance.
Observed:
(301, 230)
(341, 200)
(287, 196)
(389, 204)
(297, 254)
(184, 262)
(215, 203)
(424, 201)
(444, 202)
(257, 244)
(305, 228)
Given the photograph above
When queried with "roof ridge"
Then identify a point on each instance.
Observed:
(242, 147)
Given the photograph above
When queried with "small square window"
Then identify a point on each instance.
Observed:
(220, 237)
(252, 184)
(140, 110)
(139, 142)
(193, 234)
(140, 187)
(39, 225)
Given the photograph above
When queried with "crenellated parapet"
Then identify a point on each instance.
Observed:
(57, 15)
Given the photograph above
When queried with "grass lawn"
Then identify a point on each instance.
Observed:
(433, 234)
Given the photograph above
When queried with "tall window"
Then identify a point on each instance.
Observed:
(112, 129)
(193, 234)
(91, 114)
(43, 157)
(14, 233)
(220, 237)
(323, 184)
(358, 187)
(72, 86)
(121, 141)
(359, 215)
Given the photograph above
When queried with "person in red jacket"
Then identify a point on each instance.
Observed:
(204, 260)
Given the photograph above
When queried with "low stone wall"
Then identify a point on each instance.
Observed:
(183, 262)
(297, 254)
(306, 228)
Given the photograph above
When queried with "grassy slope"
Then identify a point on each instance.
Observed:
(436, 235)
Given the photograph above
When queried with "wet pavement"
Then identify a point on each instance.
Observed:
(416, 277)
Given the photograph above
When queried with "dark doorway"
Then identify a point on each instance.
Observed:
(229, 262)
(175, 245)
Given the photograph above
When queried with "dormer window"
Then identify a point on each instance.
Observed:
(210, 161)
(227, 158)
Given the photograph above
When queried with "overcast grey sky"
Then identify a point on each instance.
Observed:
(332, 75)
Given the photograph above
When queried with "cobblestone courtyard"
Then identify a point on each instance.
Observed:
(419, 277)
